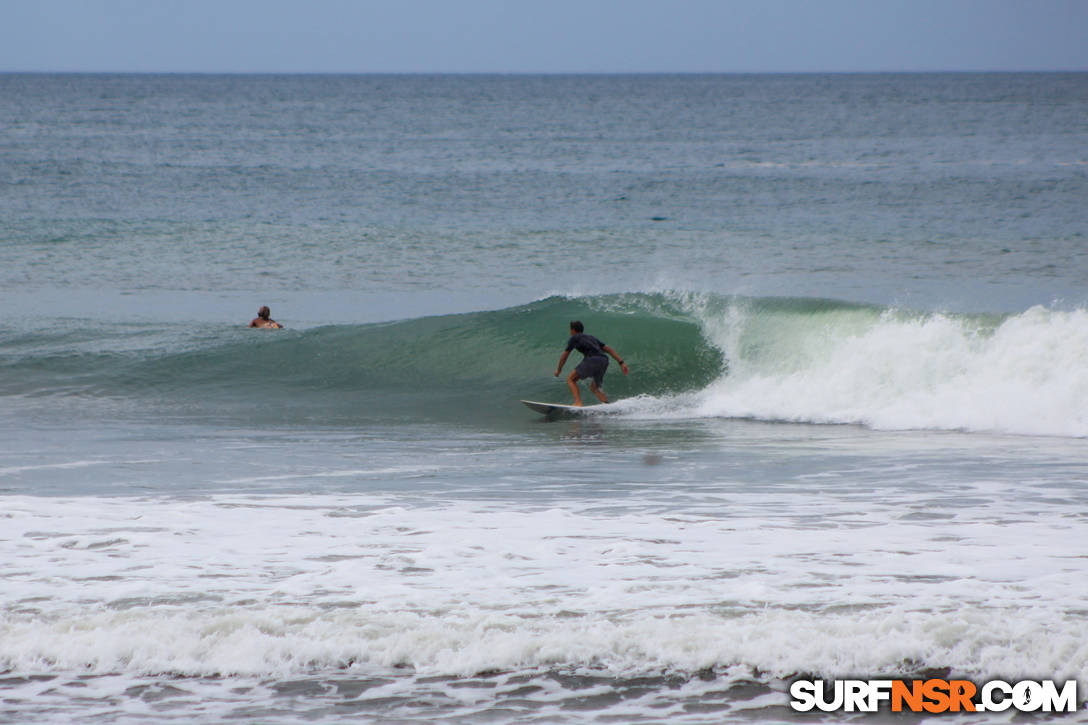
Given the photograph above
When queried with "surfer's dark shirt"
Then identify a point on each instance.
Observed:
(588, 345)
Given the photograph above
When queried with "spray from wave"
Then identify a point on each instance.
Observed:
(825, 362)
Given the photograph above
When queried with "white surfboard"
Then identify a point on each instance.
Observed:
(559, 410)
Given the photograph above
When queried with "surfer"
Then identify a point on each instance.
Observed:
(593, 365)
(264, 319)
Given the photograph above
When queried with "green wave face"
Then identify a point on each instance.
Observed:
(421, 364)
(514, 351)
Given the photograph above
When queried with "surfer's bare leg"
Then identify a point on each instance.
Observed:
(572, 383)
(598, 392)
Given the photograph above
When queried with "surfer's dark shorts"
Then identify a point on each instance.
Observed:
(593, 367)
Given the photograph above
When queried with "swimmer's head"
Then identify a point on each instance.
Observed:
(264, 313)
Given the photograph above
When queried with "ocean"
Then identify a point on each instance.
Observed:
(852, 443)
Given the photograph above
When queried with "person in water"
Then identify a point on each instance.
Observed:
(264, 319)
(593, 365)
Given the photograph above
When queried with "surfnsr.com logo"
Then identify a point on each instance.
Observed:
(933, 696)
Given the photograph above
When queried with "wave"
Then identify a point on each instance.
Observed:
(424, 367)
(692, 356)
(287, 585)
(187, 640)
(892, 369)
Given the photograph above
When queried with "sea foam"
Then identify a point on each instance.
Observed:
(782, 584)
(1022, 374)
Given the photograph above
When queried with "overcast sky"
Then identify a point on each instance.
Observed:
(552, 36)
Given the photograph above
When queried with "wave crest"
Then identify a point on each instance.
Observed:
(691, 356)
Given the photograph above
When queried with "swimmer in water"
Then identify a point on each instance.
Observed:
(264, 319)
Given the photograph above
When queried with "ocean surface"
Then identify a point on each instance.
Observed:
(852, 442)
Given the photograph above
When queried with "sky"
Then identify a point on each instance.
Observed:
(542, 36)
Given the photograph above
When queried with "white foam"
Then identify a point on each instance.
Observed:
(1026, 375)
(406, 471)
(827, 584)
(8, 470)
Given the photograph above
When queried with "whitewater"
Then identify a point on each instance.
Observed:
(894, 370)
(332, 589)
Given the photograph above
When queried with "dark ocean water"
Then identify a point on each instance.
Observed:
(851, 443)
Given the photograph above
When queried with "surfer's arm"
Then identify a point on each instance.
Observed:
(616, 355)
(562, 362)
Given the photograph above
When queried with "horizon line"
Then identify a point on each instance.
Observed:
(539, 73)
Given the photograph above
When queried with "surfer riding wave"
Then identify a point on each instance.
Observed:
(594, 362)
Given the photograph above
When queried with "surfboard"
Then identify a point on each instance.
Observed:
(559, 410)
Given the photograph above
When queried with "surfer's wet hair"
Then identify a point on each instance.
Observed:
(577, 326)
